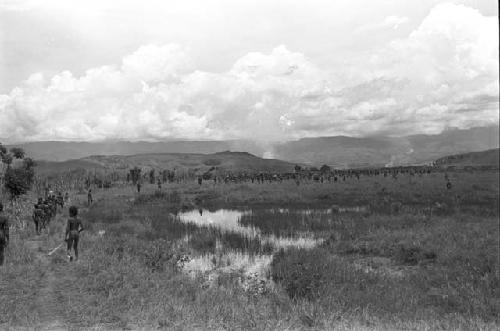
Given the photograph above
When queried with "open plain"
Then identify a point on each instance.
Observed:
(376, 252)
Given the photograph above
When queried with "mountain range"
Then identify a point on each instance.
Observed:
(337, 151)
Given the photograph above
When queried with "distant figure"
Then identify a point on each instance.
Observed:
(38, 215)
(138, 187)
(200, 211)
(66, 198)
(60, 200)
(200, 180)
(90, 200)
(44, 206)
(73, 229)
(448, 185)
(4, 233)
(159, 184)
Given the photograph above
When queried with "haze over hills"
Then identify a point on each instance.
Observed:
(338, 151)
(381, 151)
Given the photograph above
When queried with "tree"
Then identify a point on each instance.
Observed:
(325, 169)
(17, 152)
(3, 150)
(18, 181)
(7, 159)
(297, 168)
(135, 174)
(152, 176)
(29, 163)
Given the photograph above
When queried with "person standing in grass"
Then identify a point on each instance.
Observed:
(90, 200)
(73, 229)
(4, 233)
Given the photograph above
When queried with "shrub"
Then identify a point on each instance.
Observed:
(18, 181)
(412, 255)
(212, 162)
(104, 212)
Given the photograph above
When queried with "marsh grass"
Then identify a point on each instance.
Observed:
(385, 270)
(289, 222)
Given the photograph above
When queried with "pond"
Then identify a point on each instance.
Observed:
(244, 240)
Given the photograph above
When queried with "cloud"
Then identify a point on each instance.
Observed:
(390, 22)
(443, 74)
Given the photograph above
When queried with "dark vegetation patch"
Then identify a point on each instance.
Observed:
(108, 211)
(289, 222)
(212, 162)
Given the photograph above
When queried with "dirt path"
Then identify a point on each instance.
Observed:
(50, 311)
(48, 303)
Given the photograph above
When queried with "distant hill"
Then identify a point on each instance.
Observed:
(338, 151)
(65, 150)
(349, 152)
(484, 158)
(224, 161)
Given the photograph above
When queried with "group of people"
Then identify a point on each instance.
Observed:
(45, 211)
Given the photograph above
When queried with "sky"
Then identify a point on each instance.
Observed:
(245, 69)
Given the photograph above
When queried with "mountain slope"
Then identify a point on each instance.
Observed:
(484, 158)
(380, 151)
(62, 150)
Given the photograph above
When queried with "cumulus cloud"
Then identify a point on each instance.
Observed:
(443, 74)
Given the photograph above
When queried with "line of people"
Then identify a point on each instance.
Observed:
(46, 210)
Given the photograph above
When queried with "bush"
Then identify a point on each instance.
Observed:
(412, 255)
(104, 212)
(212, 162)
(18, 181)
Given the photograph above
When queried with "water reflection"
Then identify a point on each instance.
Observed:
(230, 221)
(224, 219)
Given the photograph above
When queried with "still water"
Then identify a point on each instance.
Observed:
(280, 228)
(230, 221)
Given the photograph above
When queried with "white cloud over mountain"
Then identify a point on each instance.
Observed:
(444, 73)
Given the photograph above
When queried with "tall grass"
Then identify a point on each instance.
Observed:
(388, 269)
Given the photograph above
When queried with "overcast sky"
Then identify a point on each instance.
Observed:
(249, 69)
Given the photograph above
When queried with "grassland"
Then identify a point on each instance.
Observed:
(412, 256)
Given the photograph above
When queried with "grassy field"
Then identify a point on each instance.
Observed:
(404, 254)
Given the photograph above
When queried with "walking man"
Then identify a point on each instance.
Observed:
(4, 233)
(73, 229)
